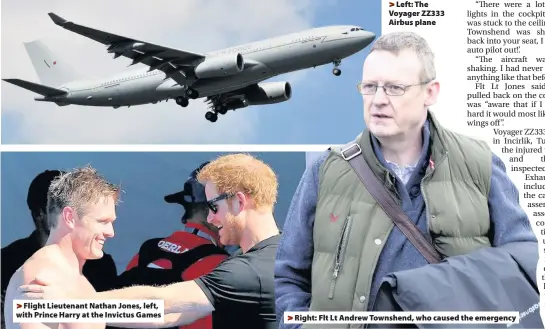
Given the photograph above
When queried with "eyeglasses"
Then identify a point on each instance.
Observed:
(390, 89)
(212, 203)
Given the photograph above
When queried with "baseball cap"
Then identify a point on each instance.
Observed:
(37, 191)
(193, 191)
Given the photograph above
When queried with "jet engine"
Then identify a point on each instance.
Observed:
(269, 93)
(220, 66)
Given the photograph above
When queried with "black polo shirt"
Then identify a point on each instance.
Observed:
(241, 289)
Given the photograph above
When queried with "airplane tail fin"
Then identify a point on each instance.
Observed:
(51, 69)
(37, 88)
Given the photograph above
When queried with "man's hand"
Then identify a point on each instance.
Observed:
(41, 289)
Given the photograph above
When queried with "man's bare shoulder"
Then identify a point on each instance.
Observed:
(45, 264)
(48, 265)
(24, 275)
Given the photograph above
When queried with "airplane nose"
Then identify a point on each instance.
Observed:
(367, 37)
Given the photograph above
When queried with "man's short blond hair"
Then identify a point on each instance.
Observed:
(78, 189)
(242, 173)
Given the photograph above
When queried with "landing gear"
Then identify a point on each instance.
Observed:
(192, 93)
(211, 116)
(182, 101)
(336, 70)
(221, 109)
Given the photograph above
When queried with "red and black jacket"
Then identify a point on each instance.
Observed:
(182, 256)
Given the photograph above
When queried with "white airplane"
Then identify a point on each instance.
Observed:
(230, 79)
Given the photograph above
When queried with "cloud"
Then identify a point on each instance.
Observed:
(194, 25)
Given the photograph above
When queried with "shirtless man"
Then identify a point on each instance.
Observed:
(80, 210)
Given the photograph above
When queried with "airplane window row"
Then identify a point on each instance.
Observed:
(268, 46)
(307, 39)
(356, 29)
(130, 78)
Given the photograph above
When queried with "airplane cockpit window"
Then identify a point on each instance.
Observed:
(353, 29)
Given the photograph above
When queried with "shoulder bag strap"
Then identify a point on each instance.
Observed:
(353, 154)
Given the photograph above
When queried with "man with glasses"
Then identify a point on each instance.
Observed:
(338, 243)
(239, 293)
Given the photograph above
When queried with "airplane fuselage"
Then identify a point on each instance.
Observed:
(263, 60)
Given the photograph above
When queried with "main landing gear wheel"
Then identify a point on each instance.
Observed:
(336, 70)
(192, 93)
(182, 101)
(211, 116)
(221, 109)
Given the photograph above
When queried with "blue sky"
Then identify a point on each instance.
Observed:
(145, 177)
(324, 109)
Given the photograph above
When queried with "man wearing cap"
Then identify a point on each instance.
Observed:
(184, 255)
(101, 273)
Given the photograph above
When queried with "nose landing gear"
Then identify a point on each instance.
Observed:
(336, 70)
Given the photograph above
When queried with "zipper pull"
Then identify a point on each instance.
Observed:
(334, 280)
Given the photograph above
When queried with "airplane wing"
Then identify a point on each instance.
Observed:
(168, 60)
(260, 93)
(232, 100)
(223, 102)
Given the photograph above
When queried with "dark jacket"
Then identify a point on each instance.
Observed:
(489, 279)
(295, 252)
